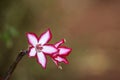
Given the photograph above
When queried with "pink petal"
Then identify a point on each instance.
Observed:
(56, 62)
(61, 59)
(32, 39)
(32, 52)
(41, 59)
(59, 43)
(49, 49)
(45, 37)
(64, 51)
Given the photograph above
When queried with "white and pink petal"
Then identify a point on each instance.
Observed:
(32, 52)
(64, 50)
(49, 49)
(41, 59)
(45, 37)
(59, 43)
(56, 62)
(32, 39)
(61, 59)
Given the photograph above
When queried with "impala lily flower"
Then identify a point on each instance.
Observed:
(60, 56)
(39, 47)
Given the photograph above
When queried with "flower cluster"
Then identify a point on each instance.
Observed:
(39, 48)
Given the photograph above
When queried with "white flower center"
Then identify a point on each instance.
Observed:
(39, 48)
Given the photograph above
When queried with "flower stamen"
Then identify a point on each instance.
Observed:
(39, 47)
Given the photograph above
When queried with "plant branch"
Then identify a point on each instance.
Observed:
(13, 66)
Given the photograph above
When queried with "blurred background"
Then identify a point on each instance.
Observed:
(91, 28)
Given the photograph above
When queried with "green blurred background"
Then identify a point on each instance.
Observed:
(91, 28)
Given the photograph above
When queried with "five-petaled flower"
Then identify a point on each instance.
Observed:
(63, 51)
(39, 47)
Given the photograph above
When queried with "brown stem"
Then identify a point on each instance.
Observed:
(13, 66)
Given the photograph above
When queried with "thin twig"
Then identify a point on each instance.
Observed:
(13, 66)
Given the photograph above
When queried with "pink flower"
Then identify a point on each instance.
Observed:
(61, 55)
(39, 47)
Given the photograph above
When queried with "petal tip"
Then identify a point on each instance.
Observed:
(30, 33)
(43, 66)
(48, 31)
